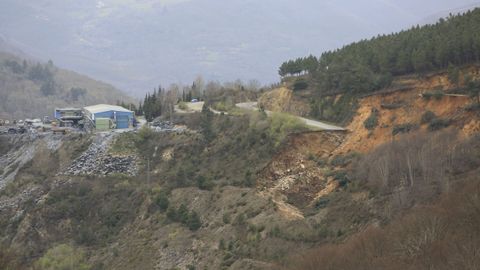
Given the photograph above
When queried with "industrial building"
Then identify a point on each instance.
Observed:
(105, 117)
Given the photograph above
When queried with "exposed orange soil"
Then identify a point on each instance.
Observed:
(294, 179)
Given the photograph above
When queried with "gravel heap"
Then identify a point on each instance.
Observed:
(96, 161)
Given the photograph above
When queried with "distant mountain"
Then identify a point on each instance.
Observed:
(136, 45)
(7, 46)
(32, 90)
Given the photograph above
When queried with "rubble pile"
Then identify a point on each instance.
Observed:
(163, 124)
(96, 161)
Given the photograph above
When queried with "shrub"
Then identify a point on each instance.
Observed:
(472, 107)
(281, 124)
(341, 177)
(343, 160)
(183, 106)
(161, 200)
(322, 203)
(182, 214)
(249, 179)
(372, 121)
(438, 124)
(193, 221)
(427, 117)
(300, 84)
(438, 94)
(340, 160)
(172, 213)
(204, 183)
(226, 218)
(63, 257)
(403, 128)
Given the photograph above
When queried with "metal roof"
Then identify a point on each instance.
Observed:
(105, 108)
(68, 109)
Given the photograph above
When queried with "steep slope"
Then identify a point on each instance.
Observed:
(29, 89)
(222, 195)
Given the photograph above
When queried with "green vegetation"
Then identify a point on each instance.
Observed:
(227, 150)
(372, 121)
(368, 65)
(300, 84)
(473, 89)
(281, 124)
(343, 160)
(437, 95)
(124, 144)
(36, 89)
(182, 105)
(403, 128)
(335, 110)
(427, 117)
(438, 123)
(161, 200)
(187, 218)
(453, 74)
(63, 257)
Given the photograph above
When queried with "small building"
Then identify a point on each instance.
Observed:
(104, 117)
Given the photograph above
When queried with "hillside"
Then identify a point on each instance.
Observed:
(234, 191)
(32, 90)
(329, 86)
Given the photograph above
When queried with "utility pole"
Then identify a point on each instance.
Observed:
(148, 165)
(148, 172)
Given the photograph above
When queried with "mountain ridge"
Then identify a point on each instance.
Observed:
(29, 89)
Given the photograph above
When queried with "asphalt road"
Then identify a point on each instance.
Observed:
(308, 122)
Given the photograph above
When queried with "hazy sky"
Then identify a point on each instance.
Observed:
(138, 44)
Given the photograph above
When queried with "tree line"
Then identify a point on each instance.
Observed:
(369, 65)
(161, 101)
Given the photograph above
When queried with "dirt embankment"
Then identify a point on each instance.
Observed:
(284, 100)
(406, 108)
(302, 172)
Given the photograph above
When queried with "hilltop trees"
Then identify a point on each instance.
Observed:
(152, 104)
(298, 66)
(368, 65)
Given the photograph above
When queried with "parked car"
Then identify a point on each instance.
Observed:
(37, 123)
